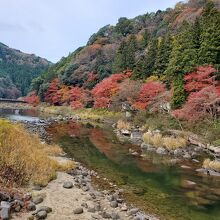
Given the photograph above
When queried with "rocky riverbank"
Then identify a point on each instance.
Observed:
(72, 195)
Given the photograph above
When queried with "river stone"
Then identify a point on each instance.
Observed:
(44, 208)
(96, 216)
(106, 215)
(187, 156)
(78, 211)
(41, 215)
(133, 211)
(178, 152)
(4, 213)
(31, 206)
(114, 204)
(37, 200)
(68, 185)
(4, 196)
(91, 209)
(115, 216)
(161, 150)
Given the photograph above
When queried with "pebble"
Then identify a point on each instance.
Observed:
(44, 208)
(37, 200)
(78, 211)
(68, 185)
(31, 206)
(41, 215)
(114, 204)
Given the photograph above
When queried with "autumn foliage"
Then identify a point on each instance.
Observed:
(201, 78)
(148, 92)
(203, 91)
(107, 88)
(200, 105)
(32, 99)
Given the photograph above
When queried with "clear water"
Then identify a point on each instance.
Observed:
(151, 183)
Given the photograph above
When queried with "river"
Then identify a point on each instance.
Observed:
(151, 183)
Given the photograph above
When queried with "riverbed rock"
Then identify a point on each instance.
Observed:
(41, 215)
(106, 215)
(114, 204)
(31, 206)
(125, 132)
(4, 196)
(5, 210)
(44, 208)
(133, 211)
(115, 216)
(178, 152)
(37, 200)
(161, 151)
(78, 211)
(4, 214)
(68, 185)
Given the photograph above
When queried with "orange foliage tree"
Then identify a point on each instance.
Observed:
(107, 88)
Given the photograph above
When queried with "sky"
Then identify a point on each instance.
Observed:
(54, 28)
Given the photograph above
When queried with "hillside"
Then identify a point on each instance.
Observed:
(17, 69)
(139, 39)
(168, 59)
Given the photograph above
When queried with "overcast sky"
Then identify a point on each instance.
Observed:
(53, 28)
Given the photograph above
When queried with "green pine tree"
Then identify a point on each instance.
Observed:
(163, 54)
(119, 63)
(209, 52)
(184, 52)
(130, 52)
(179, 95)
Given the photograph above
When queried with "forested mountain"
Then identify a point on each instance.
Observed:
(164, 46)
(17, 70)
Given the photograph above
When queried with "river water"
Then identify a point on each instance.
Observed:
(152, 183)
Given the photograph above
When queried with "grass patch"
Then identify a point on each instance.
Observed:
(85, 113)
(23, 158)
(124, 125)
(170, 143)
(212, 164)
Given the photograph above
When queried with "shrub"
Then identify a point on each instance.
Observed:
(213, 165)
(23, 158)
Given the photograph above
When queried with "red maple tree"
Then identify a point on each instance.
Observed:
(147, 93)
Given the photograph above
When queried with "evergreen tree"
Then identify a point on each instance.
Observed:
(145, 65)
(179, 95)
(183, 56)
(145, 40)
(209, 52)
(119, 63)
(163, 54)
(130, 52)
